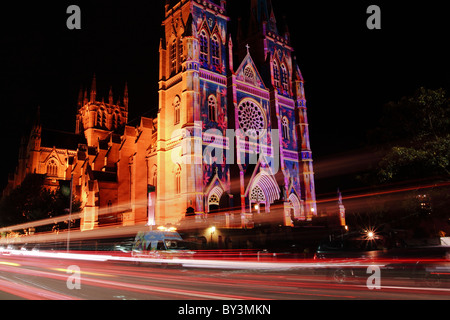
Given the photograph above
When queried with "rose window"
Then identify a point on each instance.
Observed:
(251, 119)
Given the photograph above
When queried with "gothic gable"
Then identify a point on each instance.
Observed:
(248, 73)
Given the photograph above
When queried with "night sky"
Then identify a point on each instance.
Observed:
(350, 71)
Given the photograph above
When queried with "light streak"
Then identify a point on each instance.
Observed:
(32, 292)
(387, 192)
(83, 272)
(246, 264)
(10, 264)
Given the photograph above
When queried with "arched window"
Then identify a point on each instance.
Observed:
(212, 108)
(249, 75)
(176, 108)
(284, 78)
(52, 168)
(258, 198)
(285, 124)
(257, 195)
(215, 50)
(214, 198)
(104, 118)
(173, 55)
(114, 121)
(155, 178)
(99, 118)
(178, 180)
(203, 47)
(276, 74)
(180, 50)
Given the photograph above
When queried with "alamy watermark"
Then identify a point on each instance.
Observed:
(74, 20)
(374, 280)
(374, 20)
(74, 280)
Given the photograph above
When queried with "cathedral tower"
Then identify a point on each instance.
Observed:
(192, 100)
(268, 43)
(98, 119)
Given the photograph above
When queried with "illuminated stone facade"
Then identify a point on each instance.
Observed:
(229, 139)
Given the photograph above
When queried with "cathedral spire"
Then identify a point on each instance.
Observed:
(37, 126)
(80, 98)
(262, 14)
(111, 97)
(287, 34)
(125, 96)
(85, 97)
(93, 89)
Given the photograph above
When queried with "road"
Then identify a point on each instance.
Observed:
(37, 278)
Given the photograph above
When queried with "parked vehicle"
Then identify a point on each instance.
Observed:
(160, 245)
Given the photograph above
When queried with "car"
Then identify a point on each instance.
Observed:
(344, 249)
(158, 244)
(428, 265)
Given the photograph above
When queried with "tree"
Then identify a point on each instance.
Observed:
(414, 139)
(32, 201)
(415, 133)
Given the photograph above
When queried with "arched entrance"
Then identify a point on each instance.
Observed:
(213, 204)
(296, 206)
(264, 191)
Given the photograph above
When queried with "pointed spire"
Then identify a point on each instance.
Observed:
(80, 98)
(37, 126)
(111, 97)
(188, 30)
(261, 14)
(125, 97)
(272, 19)
(166, 7)
(85, 97)
(230, 53)
(93, 89)
(253, 25)
(287, 34)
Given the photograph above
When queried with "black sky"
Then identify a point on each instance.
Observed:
(350, 71)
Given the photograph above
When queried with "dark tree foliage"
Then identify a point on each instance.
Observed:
(415, 135)
(31, 201)
(413, 139)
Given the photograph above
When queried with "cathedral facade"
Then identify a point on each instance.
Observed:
(230, 137)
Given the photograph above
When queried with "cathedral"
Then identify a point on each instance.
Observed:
(230, 137)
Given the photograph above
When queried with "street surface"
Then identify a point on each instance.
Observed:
(41, 278)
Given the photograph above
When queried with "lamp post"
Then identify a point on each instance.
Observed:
(213, 229)
(70, 213)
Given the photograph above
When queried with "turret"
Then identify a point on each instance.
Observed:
(125, 97)
(80, 98)
(111, 97)
(93, 90)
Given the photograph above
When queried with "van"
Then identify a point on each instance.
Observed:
(159, 244)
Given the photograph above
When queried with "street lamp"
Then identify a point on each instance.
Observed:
(70, 213)
(212, 230)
